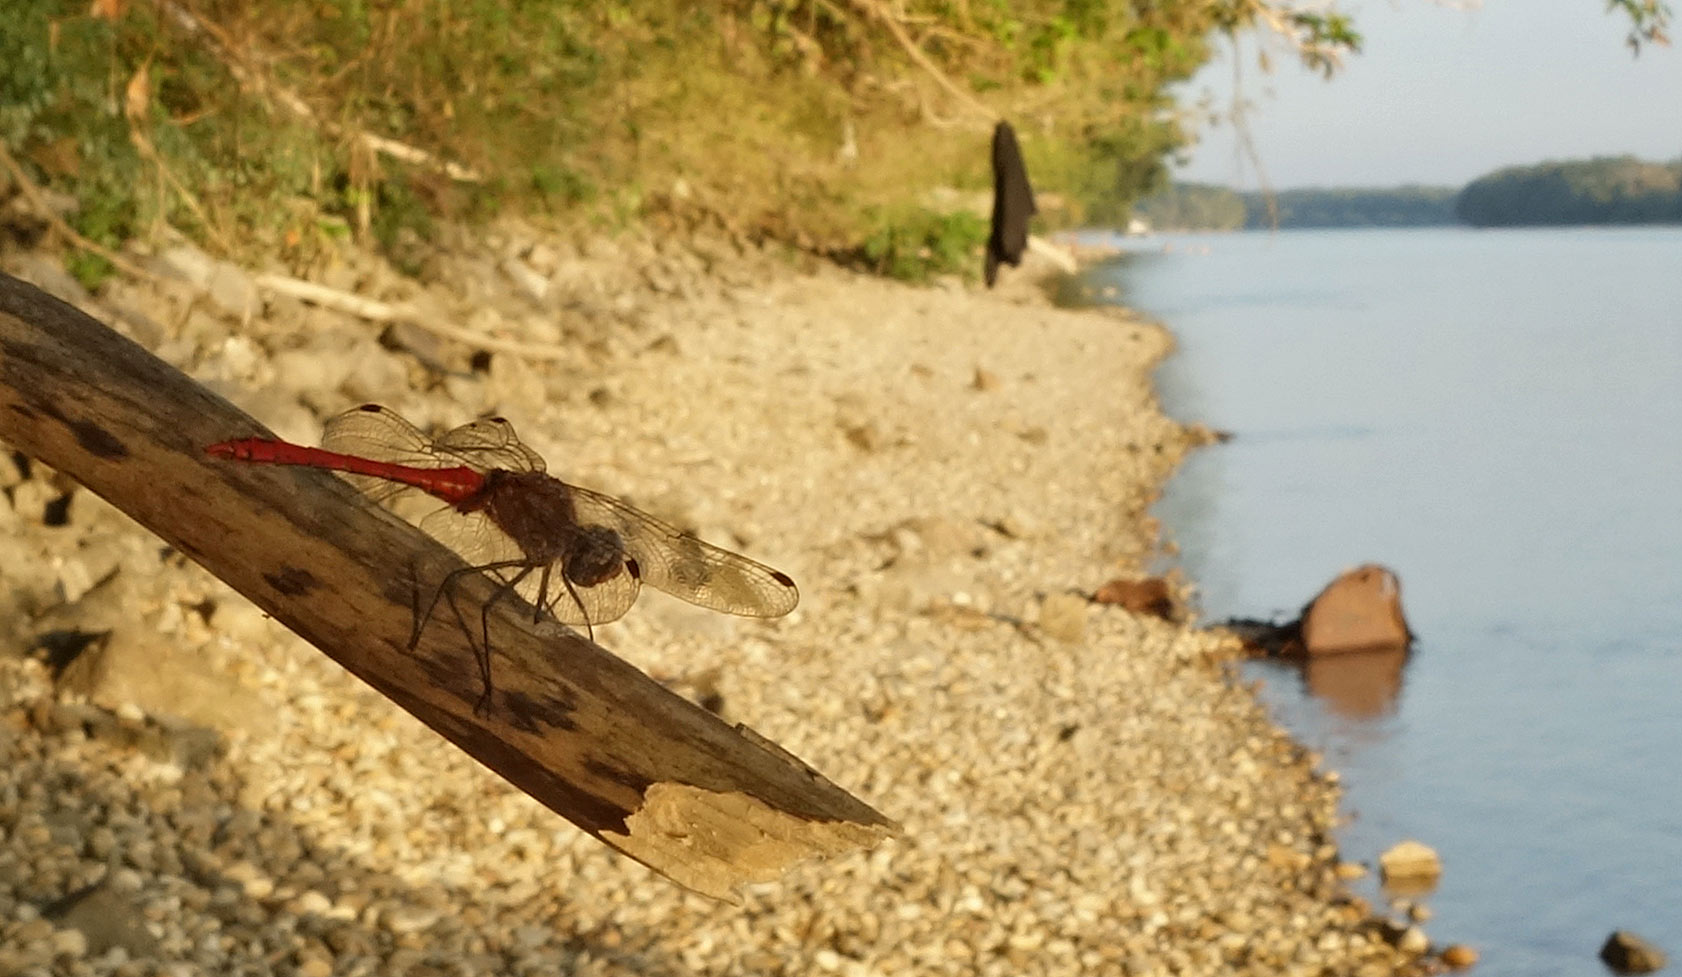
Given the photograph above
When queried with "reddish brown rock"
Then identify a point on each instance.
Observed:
(1148, 596)
(1359, 611)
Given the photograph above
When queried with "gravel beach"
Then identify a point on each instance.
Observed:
(946, 472)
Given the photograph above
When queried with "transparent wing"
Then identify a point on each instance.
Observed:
(381, 434)
(687, 568)
(481, 544)
(489, 443)
(606, 601)
(376, 432)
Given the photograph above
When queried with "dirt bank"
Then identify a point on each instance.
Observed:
(1082, 791)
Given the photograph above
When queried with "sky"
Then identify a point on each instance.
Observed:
(1441, 95)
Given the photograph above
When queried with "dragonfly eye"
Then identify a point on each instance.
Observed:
(596, 557)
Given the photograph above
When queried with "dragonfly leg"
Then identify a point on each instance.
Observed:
(483, 706)
(481, 652)
(589, 629)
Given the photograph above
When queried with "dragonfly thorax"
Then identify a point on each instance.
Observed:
(597, 553)
(537, 512)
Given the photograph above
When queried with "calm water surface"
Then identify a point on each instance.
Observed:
(1497, 415)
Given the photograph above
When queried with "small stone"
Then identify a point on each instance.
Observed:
(1459, 956)
(1410, 861)
(526, 279)
(985, 380)
(70, 943)
(1413, 941)
(1350, 871)
(1148, 596)
(1628, 953)
(1063, 616)
(409, 919)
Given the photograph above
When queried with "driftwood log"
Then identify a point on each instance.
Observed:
(642, 769)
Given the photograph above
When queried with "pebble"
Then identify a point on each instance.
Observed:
(1459, 956)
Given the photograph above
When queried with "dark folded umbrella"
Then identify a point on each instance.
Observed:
(1013, 203)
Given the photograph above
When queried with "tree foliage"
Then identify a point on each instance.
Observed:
(1207, 207)
(1193, 207)
(1404, 206)
(278, 125)
(1606, 190)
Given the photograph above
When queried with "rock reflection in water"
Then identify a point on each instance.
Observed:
(1356, 685)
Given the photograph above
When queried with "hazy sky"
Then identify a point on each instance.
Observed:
(1443, 95)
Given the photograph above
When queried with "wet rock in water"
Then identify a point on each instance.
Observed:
(1359, 611)
(1628, 953)
(1409, 864)
(1150, 595)
(1459, 956)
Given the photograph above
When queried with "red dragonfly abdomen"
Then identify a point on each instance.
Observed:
(453, 485)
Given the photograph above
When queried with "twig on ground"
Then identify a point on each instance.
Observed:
(377, 311)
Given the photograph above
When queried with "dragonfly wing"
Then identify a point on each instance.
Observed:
(606, 601)
(489, 443)
(481, 544)
(687, 568)
(376, 432)
(473, 536)
(380, 433)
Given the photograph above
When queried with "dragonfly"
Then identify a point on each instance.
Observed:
(505, 515)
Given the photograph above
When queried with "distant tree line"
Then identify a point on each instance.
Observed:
(1405, 206)
(1205, 207)
(1605, 190)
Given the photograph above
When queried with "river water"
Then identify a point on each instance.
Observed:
(1497, 416)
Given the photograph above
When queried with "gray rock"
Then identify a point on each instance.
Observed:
(106, 917)
(47, 274)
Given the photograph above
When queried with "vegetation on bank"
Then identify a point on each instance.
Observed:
(1200, 206)
(275, 126)
(852, 128)
(1605, 190)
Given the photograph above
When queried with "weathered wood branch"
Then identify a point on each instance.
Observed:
(586, 734)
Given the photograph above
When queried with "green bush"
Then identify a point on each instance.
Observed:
(915, 245)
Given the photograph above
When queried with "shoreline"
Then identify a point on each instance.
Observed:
(1083, 790)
